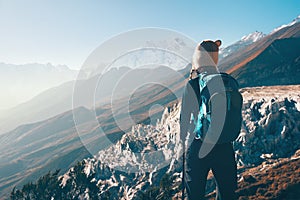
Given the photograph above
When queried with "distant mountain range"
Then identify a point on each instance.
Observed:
(20, 83)
(32, 149)
(60, 99)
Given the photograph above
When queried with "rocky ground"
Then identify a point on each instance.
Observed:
(273, 179)
(147, 164)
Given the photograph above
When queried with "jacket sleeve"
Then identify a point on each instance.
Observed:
(186, 110)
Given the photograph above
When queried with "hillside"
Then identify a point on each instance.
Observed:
(57, 142)
(278, 64)
(272, 180)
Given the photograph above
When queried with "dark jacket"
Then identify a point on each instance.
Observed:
(190, 106)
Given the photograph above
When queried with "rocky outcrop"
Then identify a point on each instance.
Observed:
(269, 135)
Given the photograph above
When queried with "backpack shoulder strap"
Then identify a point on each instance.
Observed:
(204, 79)
(223, 74)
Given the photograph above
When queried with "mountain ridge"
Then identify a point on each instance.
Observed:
(232, 63)
(20, 83)
(278, 64)
(242, 43)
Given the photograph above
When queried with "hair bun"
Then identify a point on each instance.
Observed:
(210, 46)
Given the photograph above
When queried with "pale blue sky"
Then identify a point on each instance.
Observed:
(66, 32)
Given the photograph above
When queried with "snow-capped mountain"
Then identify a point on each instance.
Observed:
(175, 53)
(169, 50)
(296, 20)
(242, 43)
(251, 38)
(239, 59)
(136, 163)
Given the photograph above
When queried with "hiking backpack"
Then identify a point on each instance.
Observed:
(220, 111)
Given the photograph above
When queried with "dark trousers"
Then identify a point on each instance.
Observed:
(221, 161)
